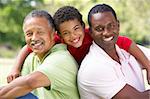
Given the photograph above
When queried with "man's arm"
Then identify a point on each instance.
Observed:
(23, 85)
(15, 72)
(128, 92)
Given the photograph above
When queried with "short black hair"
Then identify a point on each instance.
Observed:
(67, 13)
(100, 8)
(41, 13)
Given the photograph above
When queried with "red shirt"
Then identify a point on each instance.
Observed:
(124, 42)
(79, 53)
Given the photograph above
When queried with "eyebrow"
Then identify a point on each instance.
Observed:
(98, 26)
(76, 26)
(72, 28)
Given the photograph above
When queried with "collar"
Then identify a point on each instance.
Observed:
(55, 48)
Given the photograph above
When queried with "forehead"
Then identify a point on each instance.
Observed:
(69, 24)
(102, 18)
(36, 22)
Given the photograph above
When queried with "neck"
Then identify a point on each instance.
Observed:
(42, 55)
(112, 53)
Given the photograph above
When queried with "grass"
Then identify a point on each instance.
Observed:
(5, 67)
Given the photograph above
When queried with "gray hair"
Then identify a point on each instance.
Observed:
(40, 13)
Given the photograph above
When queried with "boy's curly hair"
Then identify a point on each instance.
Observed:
(67, 13)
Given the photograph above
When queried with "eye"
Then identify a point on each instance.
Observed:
(28, 34)
(76, 28)
(65, 33)
(111, 26)
(99, 29)
(41, 32)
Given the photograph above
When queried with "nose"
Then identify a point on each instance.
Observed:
(34, 36)
(106, 31)
(73, 34)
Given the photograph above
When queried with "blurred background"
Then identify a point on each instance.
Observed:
(134, 16)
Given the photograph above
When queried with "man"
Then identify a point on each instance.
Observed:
(108, 71)
(50, 70)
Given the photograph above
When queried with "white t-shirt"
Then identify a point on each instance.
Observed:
(100, 77)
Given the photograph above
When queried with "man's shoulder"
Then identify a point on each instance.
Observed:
(60, 54)
(59, 48)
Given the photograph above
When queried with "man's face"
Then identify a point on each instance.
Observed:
(38, 35)
(72, 32)
(105, 29)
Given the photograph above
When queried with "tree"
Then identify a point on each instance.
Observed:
(11, 18)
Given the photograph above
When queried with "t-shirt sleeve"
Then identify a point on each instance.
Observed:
(124, 42)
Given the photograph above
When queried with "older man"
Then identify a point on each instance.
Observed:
(50, 70)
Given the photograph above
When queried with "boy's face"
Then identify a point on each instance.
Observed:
(105, 29)
(72, 32)
(38, 35)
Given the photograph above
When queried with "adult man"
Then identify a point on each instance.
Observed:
(50, 69)
(108, 71)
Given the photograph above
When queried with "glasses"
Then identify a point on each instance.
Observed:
(109, 27)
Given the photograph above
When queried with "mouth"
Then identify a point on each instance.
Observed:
(36, 44)
(108, 39)
(76, 40)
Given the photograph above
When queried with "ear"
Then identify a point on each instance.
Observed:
(59, 34)
(83, 24)
(52, 34)
(90, 32)
(118, 23)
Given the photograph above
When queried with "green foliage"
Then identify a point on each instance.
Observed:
(134, 16)
(11, 18)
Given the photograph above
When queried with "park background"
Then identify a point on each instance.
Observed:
(134, 17)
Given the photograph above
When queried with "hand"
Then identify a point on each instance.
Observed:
(148, 73)
(13, 75)
(148, 76)
(1, 87)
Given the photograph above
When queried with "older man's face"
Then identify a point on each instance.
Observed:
(39, 35)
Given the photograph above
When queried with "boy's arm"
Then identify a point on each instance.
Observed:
(140, 56)
(15, 71)
(131, 47)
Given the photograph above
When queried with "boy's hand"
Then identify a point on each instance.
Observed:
(13, 75)
(148, 76)
(1, 87)
(148, 73)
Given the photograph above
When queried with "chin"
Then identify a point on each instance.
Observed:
(78, 45)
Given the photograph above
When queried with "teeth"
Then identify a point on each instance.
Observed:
(35, 44)
(108, 39)
(76, 40)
